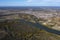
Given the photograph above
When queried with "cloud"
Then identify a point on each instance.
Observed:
(29, 0)
(43, 1)
(50, 1)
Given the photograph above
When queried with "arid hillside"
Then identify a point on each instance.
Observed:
(17, 30)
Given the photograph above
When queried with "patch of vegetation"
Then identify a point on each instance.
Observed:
(17, 30)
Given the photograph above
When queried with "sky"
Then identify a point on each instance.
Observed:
(29, 2)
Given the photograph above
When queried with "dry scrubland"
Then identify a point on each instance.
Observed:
(16, 30)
